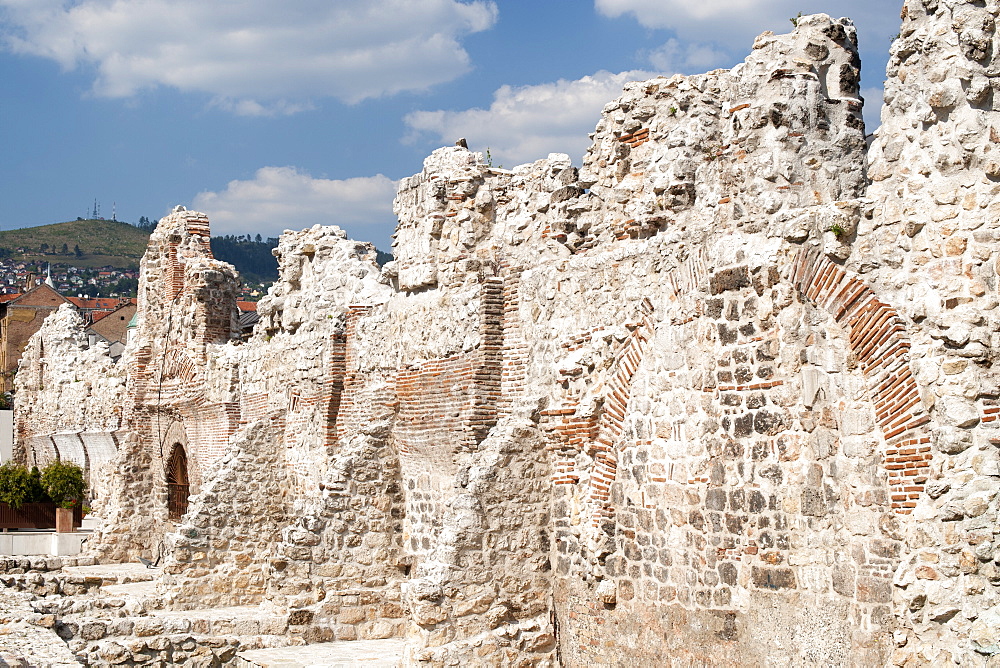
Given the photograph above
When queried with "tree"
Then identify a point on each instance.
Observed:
(44, 247)
(145, 224)
(65, 249)
(76, 251)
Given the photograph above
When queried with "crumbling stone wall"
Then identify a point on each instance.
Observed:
(930, 249)
(218, 555)
(131, 413)
(698, 481)
(186, 312)
(312, 469)
(70, 401)
(724, 394)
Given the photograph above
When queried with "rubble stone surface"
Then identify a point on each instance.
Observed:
(724, 395)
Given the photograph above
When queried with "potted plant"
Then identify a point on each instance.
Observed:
(64, 483)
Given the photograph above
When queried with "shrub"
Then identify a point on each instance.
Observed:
(15, 485)
(64, 483)
(61, 482)
(36, 490)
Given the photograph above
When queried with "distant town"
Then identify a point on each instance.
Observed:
(19, 276)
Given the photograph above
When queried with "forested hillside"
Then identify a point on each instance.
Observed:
(251, 257)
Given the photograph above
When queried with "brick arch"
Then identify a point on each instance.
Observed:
(880, 343)
(179, 366)
(600, 436)
(612, 418)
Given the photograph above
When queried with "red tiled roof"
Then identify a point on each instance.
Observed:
(98, 303)
(246, 306)
(10, 297)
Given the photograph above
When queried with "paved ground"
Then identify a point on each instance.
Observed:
(346, 654)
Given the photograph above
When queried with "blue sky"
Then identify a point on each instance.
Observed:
(279, 114)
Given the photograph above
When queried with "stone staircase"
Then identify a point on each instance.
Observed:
(99, 631)
(114, 615)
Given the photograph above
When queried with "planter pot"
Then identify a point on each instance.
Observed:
(64, 520)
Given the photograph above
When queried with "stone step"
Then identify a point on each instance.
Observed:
(99, 603)
(47, 584)
(76, 580)
(98, 623)
(163, 650)
(253, 627)
(25, 564)
(340, 654)
(142, 589)
(113, 574)
(242, 620)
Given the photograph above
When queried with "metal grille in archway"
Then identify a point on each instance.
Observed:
(177, 483)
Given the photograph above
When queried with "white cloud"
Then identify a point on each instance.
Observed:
(280, 198)
(731, 25)
(668, 13)
(673, 56)
(528, 122)
(256, 56)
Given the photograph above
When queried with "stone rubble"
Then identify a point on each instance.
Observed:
(724, 395)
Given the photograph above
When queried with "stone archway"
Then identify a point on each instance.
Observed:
(178, 487)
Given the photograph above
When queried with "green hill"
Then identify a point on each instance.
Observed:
(100, 243)
(121, 245)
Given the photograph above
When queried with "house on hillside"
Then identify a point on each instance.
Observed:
(21, 315)
(108, 319)
(247, 318)
(93, 308)
(112, 327)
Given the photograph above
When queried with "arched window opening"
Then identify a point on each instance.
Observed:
(177, 483)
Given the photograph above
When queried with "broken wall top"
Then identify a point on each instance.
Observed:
(186, 294)
(780, 132)
(322, 273)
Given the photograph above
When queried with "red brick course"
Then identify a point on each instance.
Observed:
(881, 346)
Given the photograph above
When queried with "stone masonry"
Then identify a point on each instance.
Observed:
(723, 395)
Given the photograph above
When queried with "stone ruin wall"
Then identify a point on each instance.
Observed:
(723, 394)
(74, 411)
(128, 415)
(305, 509)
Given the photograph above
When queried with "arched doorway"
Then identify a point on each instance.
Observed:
(177, 483)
